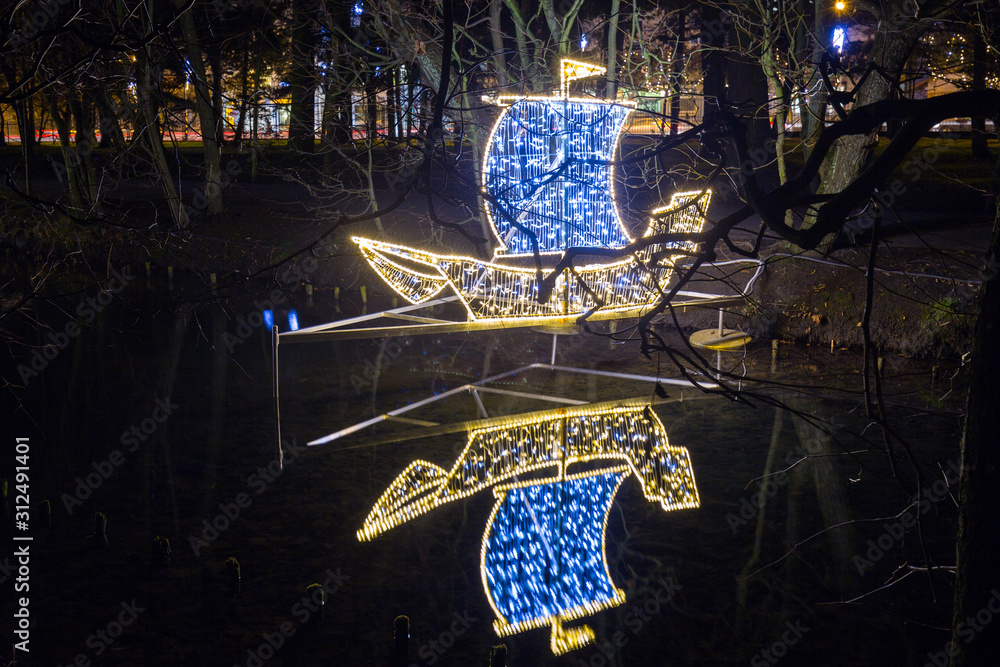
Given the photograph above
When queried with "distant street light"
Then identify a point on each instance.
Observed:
(840, 5)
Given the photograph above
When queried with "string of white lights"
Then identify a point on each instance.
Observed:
(561, 525)
(496, 454)
(494, 291)
(547, 166)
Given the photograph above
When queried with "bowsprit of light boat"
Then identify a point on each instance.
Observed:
(555, 475)
(548, 186)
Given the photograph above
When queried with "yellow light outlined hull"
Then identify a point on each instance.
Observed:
(495, 291)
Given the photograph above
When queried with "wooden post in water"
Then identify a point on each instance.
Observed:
(317, 594)
(101, 530)
(233, 579)
(401, 642)
(160, 554)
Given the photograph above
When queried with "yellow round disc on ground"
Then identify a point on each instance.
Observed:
(713, 339)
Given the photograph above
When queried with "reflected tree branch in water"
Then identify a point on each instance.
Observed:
(743, 582)
(832, 500)
(875, 406)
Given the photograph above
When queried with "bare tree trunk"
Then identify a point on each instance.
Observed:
(244, 82)
(86, 141)
(833, 504)
(215, 60)
(894, 41)
(522, 35)
(70, 158)
(814, 116)
(390, 104)
(148, 128)
(611, 90)
(412, 79)
(980, 150)
(560, 21)
(336, 117)
(677, 67)
(976, 642)
(27, 132)
(769, 61)
(26, 116)
(713, 40)
(110, 121)
(206, 116)
(747, 91)
(39, 128)
(371, 109)
(302, 83)
(496, 37)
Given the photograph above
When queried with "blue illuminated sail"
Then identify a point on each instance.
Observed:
(547, 167)
(543, 553)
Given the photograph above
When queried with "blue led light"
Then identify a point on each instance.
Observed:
(839, 38)
(268, 319)
(545, 553)
(293, 321)
(548, 168)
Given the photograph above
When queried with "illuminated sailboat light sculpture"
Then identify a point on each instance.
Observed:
(547, 168)
(555, 475)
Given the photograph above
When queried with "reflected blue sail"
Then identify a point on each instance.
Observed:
(547, 167)
(543, 559)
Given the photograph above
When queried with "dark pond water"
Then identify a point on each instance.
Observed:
(158, 414)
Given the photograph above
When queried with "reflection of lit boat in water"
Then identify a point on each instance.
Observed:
(547, 180)
(554, 475)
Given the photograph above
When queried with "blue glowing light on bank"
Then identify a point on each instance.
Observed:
(268, 319)
(293, 321)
